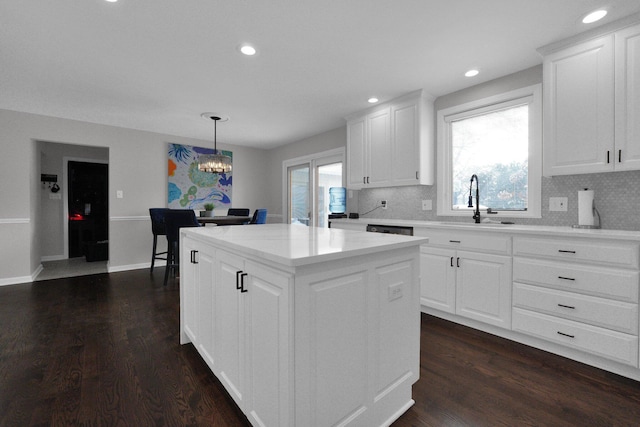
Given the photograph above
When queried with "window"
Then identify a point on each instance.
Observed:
(499, 140)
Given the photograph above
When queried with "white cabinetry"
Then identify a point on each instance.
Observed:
(391, 144)
(199, 323)
(252, 335)
(591, 107)
(627, 45)
(369, 150)
(342, 349)
(238, 322)
(468, 274)
(578, 293)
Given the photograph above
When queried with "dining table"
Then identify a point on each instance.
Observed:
(224, 220)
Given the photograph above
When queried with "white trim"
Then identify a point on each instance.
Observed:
(65, 195)
(312, 160)
(22, 279)
(130, 218)
(532, 95)
(128, 267)
(15, 220)
(52, 258)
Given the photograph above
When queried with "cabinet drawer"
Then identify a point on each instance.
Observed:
(613, 345)
(620, 316)
(599, 252)
(598, 281)
(483, 242)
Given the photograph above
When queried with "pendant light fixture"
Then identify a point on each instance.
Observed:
(216, 162)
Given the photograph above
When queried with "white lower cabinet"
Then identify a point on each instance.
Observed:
(334, 343)
(199, 323)
(251, 313)
(464, 282)
(582, 294)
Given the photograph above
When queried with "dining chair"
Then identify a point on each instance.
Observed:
(158, 229)
(238, 212)
(259, 217)
(174, 220)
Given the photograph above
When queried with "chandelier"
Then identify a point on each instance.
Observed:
(216, 162)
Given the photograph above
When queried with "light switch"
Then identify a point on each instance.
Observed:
(427, 205)
(119, 194)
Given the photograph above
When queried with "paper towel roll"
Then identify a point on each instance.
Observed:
(585, 208)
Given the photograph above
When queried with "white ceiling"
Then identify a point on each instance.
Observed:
(156, 65)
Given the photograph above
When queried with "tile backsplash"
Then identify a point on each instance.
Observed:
(617, 198)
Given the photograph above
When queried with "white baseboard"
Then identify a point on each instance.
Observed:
(21, 279)
(127, 267)
(52, 258)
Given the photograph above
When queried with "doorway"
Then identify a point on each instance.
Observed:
(87, 207)
(306, 185)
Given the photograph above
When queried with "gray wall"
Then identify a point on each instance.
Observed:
(137, 165)
(335, 138)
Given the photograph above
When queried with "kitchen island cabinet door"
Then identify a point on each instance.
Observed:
(230, 306)
(268, 343)
(189, 294)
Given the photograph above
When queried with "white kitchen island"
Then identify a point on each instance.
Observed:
(305, 326)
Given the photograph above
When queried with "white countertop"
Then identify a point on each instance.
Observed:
(542, 230)
(296, 245)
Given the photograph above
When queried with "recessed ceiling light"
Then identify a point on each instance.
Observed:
(472, 73)
(373, 100)
(248, 50)
(594, 16)
(112, 1)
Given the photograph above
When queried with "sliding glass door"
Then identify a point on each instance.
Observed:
(308, 181)
(299, 191)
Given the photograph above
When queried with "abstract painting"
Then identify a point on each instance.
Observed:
(189, 188)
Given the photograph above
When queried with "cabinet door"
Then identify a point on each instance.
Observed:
(379, 156)
(628, 98)
(189, 292)
(437, 278)
(268, 346)
(483, 287)
(229, 325)
(405, 137)
(579, 109)
(356, 153)
(204, 259)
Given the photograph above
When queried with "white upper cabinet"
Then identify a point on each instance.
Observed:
(592, 105)
(391, 144)
(379, 139)
(578, 108)
(627, 45)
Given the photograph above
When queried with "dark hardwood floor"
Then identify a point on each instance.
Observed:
(104, 350)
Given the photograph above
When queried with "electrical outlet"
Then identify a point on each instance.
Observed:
(395, 291)
(427, 205)
(558, 204)
(384, 204)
